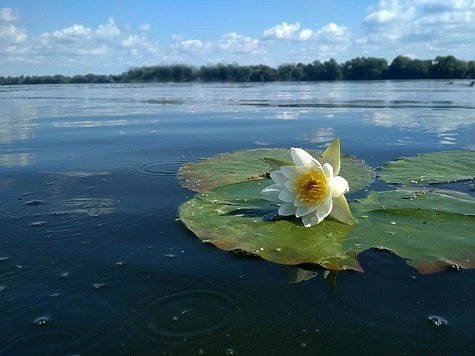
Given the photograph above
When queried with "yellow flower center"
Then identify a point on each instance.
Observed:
(312, 186)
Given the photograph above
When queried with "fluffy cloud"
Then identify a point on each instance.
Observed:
(12, 34)
(7, 15)
(191, 46)
(333, 33)
(283, 31)
(228, 44)
(75, 45)
(12, 38)
(234, 43)
(437, 25)
(111, 31)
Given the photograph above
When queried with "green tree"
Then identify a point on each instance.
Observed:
(448, 67)
(365, 68)
(331, 70)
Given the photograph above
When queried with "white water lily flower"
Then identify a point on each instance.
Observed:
(311, 190)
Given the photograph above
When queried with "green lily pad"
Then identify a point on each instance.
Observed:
(432, 230)
(233, 217)
(248, 165)
(439, 167)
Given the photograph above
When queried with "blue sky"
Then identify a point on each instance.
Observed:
(48, 37)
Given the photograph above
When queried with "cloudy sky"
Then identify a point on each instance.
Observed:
(47, 37)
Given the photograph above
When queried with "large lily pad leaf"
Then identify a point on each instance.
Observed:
(439, 167)
(247, 165)
(432, 230)
(233, 217)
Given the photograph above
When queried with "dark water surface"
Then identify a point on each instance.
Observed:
(93, 260)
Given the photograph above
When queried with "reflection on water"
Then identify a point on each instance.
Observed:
(93, 260)
(17, 159)
(445, 124)
(319, 136)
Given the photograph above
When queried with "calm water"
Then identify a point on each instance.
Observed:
(93, 260)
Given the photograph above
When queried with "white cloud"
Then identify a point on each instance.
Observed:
(108, 31)
(145, 27)
(191, 46)
(333, 33)
(12, 34)
(7, 15)
(97, 51)
(283, 31)
(306, 35)
(442, 26)
(12, 38)
(75, 48)
(232, 42)
(71, 34)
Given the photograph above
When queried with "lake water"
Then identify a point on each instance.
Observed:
(94, 261)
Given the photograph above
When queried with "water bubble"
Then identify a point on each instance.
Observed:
(438, 321)
(34, 202)
(38, 223)
(230, 351)
(455, 267)
(58, 213)
(65, 274)
(98, 285)
(41, 321)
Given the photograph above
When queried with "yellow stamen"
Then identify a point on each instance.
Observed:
(312, 186)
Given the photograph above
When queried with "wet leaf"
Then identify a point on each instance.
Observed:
(248, 165)
(432, 230)
(233, 217)
(439, 167)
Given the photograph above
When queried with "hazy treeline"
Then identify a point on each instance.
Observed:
(360, 68)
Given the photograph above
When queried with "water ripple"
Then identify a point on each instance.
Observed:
(161, 168)
(189, 314)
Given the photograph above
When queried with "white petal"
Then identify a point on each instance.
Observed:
(278, 178)
(302, 158)
(287, 209)
(271, 193)
(341, 211)
(328, 171)
(310, 220)
(305, 209)
(324, 209)
(339, 186)
(287, 196)
(291, 172)
(298, 202)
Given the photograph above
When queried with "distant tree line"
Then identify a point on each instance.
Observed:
(360, 68)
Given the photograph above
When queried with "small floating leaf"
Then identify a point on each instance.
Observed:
(433, 231)
(253, 164)
(439, 167)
